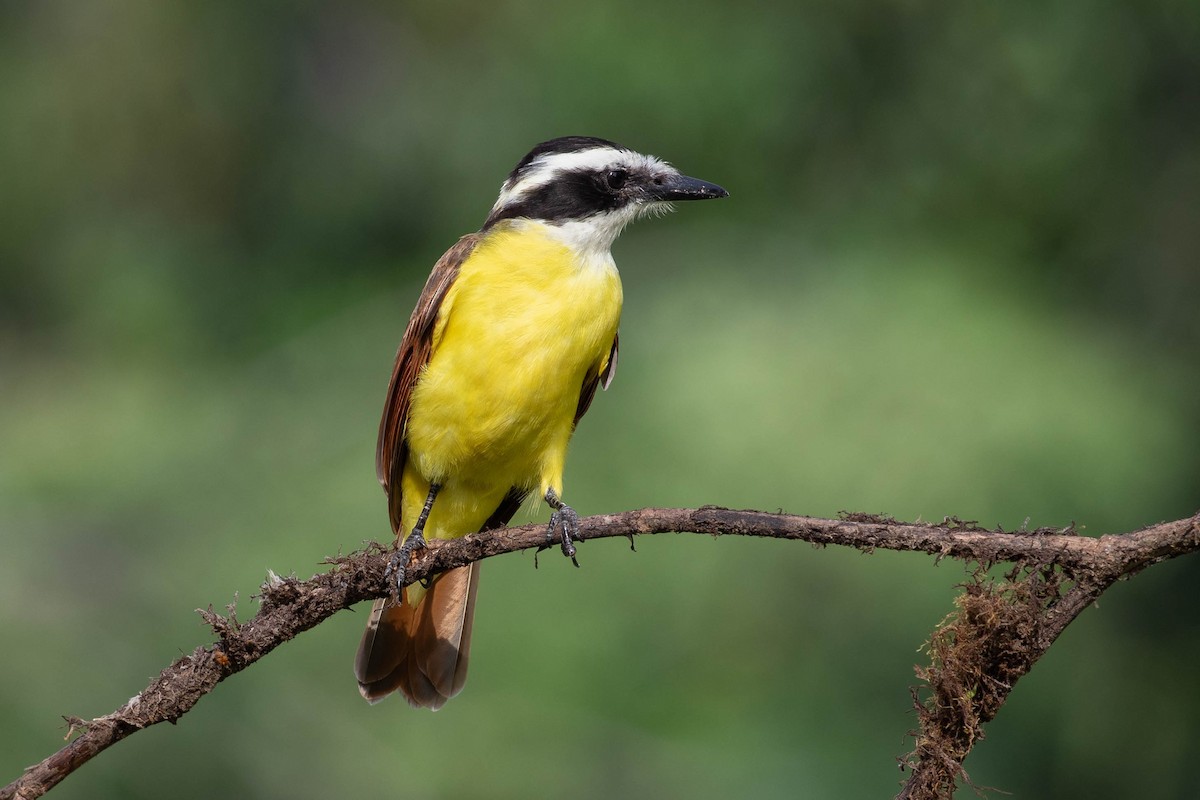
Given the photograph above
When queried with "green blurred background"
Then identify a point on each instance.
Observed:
(957, 275)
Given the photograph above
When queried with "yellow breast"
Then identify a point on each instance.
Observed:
(526, 321)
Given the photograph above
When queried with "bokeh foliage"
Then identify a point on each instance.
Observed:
(957, 275)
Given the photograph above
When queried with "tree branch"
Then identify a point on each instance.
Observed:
(977, 654)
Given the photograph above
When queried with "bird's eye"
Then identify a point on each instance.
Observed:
(615, 178)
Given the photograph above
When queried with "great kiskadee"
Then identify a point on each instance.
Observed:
(515, 329)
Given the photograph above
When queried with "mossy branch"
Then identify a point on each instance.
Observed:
(998, 632)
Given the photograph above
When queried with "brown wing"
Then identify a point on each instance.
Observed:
(423, 650)
(604, 379)
(412, 356)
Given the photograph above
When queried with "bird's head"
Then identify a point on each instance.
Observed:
(589, 189)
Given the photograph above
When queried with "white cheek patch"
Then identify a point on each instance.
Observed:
(591, 238)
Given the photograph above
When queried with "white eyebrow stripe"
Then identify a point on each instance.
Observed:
(544, 169)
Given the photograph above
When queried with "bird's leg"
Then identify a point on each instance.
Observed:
(564, 517)
(398, 565)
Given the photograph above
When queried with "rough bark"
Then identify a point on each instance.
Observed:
(1000, 629)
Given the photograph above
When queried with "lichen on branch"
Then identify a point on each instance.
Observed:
(996, 635)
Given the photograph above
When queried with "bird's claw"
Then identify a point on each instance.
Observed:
(397, 568)
(567, 521)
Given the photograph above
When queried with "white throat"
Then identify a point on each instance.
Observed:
(590, 239)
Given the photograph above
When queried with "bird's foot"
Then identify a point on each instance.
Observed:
(397, 569)
(563, 519)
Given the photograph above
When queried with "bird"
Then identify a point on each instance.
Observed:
(514, 332)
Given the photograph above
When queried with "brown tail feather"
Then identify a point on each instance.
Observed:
(421, 650)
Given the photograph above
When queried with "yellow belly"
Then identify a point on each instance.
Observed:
(519, 331)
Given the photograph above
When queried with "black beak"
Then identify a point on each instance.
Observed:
(681, 187)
